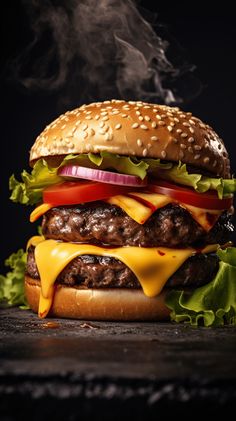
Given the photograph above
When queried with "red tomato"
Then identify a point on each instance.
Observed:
(208, 200)
(71, 193)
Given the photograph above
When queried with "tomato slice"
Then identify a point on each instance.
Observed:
(208, 200)
(71, 193)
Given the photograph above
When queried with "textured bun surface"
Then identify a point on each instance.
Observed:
(134, 129)
(99, 304)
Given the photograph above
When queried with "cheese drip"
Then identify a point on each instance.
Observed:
(140, 212)
(152, 266)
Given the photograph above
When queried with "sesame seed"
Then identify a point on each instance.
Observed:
(146, 106)
(197, 156)
(135, 125)
(192, 122)
(85, 134)
(176, 119)
(138, 112)
(184, 134)
(145, 151)
(163, 154)
(202, 125)
(214, 163)
(144, 127)
(183, 146)
(77, 123)
(88, 117)
(191, 140)
(191, 130)
(84, 127)
(178, 131)
(126, 107)
(182, 116)
(139, 142)
(161, 123)
(115, 112)
(97, 117)
(105, 118)
(181, 154)
(154, 124)
(118, 126)
(87, 112)
(154, 138)
(175, 140)
(190, 149)
(197, 147)
(147, 118)
(124, 115)
(102, 124)
(91, 132)
(141, 118)
(186, 124)
(206, 160)
(62, 128)
(107, 136)
(101, 131)
(104, 113)
(170, 128)
(172, 124)
(158, 117)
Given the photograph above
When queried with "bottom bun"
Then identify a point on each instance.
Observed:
(100, 304)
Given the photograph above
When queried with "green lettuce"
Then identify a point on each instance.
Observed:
(12, 284)
(29, 190)
(213, 304)
(179, 174)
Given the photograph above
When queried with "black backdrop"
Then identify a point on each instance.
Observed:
(208, 40)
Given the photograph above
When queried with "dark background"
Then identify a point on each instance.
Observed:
(207, 39)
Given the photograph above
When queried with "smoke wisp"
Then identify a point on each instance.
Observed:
(94, 50)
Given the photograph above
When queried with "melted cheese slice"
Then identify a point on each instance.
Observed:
(39, 211)
(140, 206)
(152, 266)
(140, 212)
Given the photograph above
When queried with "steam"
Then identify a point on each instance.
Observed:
(92, 50)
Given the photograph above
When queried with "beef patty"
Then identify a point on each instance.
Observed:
(102, 223)
(89, 271)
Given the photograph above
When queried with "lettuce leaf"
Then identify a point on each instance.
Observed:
(213, 304)
(179, 174)
(12, 285)
(29, 190)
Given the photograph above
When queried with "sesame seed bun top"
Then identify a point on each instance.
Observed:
(134, 129)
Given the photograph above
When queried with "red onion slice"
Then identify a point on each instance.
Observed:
(75, 171)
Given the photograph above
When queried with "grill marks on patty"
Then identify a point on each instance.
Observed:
(89, 271)
(102, 223)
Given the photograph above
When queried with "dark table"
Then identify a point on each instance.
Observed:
(75, 370)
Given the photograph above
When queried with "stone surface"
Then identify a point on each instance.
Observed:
(68, 369)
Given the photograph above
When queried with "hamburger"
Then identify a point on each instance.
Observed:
(136, 201)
